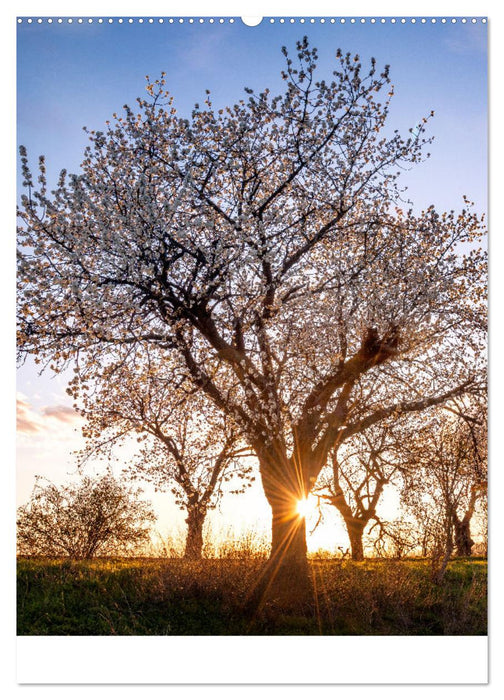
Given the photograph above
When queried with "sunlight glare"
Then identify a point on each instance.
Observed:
(304, 508)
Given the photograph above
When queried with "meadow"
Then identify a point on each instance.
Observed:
(171, 596)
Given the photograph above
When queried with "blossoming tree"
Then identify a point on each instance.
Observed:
(357, 474)
(449, 479)
(262, 247)
(185, 445)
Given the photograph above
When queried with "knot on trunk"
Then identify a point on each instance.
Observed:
(378, 350)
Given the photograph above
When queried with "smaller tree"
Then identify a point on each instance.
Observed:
(193, 458)
(474, 435)
(185, 445)
(355, 479)
(442, 491)
(97, 517)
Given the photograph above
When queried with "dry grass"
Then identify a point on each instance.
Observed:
(173, 596)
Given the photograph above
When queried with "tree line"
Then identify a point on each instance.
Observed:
(438, 468)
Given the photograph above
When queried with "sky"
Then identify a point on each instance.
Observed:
(75, 75)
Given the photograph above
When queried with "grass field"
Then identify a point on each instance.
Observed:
(174, 597)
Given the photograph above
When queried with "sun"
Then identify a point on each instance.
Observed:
(305, 507)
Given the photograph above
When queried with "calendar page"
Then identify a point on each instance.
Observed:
(252, 313)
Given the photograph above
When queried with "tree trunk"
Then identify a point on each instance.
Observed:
(425, 545)
(194, 539)
(463, 540)
(355, 530)
(288, 538)
(285, 579)
(440, 558)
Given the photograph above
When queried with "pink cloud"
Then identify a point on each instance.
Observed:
(27, 420)
(65, 414)
(31, 421)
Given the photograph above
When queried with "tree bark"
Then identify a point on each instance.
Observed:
(285, 579)
(463, 539)
(355, 529)
(288, 536)
(194, 539)
(462, 527)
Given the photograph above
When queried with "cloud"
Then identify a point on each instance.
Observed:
(31, 422)
(65, 414)
(27, 420)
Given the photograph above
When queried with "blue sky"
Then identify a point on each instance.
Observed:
(75, 75)
(79, 74)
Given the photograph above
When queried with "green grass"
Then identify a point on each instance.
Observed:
(174, 597)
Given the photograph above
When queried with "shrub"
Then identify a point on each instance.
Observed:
(96, 517)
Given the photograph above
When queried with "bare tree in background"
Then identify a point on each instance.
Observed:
(356, 476)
